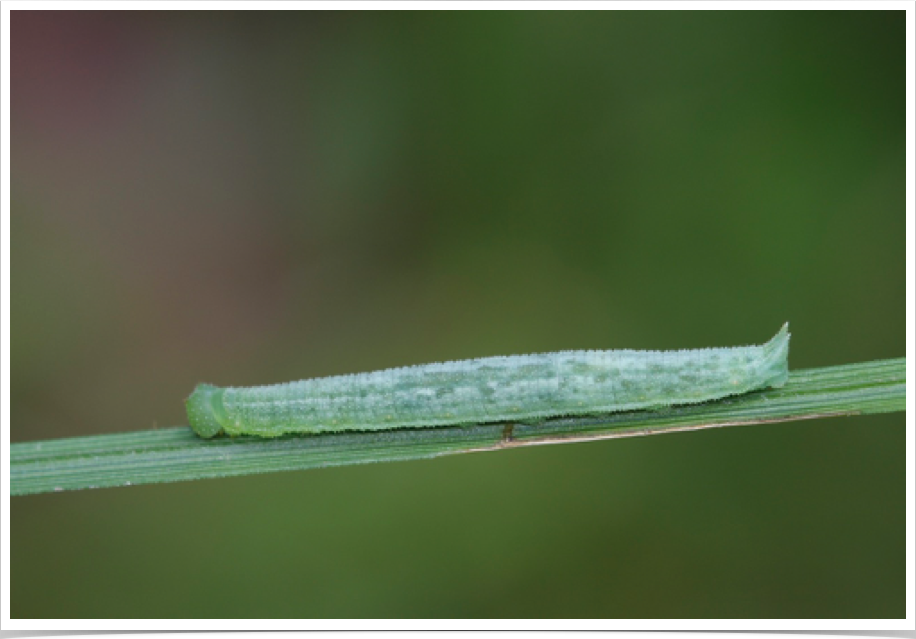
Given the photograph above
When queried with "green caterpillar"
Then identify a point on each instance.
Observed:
(491, 389)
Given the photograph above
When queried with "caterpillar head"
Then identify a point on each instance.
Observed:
(203, 406)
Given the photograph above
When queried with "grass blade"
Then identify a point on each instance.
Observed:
(177, 454)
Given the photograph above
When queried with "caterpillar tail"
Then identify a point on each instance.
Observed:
(776, 358)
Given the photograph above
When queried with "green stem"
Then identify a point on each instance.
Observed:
(177, 454)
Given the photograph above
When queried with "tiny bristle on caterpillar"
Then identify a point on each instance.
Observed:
(491, 389)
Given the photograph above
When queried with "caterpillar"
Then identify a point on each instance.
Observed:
(491, 389)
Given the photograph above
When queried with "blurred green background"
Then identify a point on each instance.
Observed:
(247, 198)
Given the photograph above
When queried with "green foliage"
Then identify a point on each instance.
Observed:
(176, 454)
